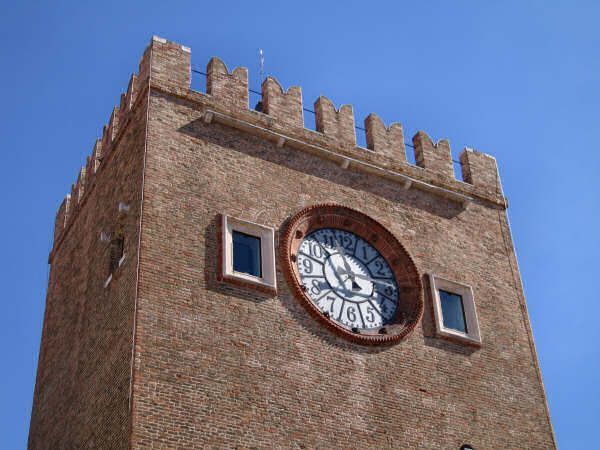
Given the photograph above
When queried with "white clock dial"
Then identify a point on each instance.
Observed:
(347, 279)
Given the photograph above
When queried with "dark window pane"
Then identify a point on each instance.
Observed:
(246, 254)
(452, 311)
(116, 253)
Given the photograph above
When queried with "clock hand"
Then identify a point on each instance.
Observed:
(336, 271)
(340, 250)
(348, 271)
(372, 280)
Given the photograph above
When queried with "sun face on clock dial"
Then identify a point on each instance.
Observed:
(347, 279)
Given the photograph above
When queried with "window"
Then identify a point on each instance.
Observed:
(116, 253)
(454, 310)
(248, 253)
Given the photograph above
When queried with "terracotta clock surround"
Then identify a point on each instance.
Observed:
(410, 304)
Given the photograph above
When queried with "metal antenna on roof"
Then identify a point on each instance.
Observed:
(259, 105)
(262, 64)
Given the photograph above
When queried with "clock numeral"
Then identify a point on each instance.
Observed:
(316, 287)
(347, 242)
(380, 268)
(332, 299)
(386, 311)
(329, 240)
(308, 265)
(328, 286)
(351, 314)
(315, 250)
(386, 291)
(370, 316)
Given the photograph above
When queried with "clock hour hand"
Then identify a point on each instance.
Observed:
(372, 280)
(336, 272)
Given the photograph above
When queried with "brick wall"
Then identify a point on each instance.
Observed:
(82, 388)
(221, 365)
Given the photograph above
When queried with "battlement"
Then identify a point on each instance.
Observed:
(165, 66)
(227, 94)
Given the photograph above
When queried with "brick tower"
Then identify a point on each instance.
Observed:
(225, 277)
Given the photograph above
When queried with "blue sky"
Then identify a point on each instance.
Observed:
(516, 79)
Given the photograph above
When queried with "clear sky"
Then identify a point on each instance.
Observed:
(516, 79)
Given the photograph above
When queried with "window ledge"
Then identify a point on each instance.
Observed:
(249, 281)
(457, 336)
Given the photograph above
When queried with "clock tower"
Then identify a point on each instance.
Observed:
(223, 277)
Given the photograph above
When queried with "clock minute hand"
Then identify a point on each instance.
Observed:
(340, 250)
(372, 280)
(348, 271)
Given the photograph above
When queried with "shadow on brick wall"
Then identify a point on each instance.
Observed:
(299, 161)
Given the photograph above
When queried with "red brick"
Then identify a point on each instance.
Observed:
(222, 365)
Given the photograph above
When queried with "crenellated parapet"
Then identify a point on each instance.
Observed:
(387, 141)
(480, 169)
(282, 113)
(100, 152)
(76, 196)
(128, 99)
(164, 62)
(93, 162)
(283, 106)
(78, 190)
(110, 131)
(62, 215)
(229, 89)
(432, 156)
(166, 66)
(337, 124)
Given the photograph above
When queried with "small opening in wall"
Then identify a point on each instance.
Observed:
(457, 170)
(361, 137)
(310, 122)
(116, 253)
(255, 98)
(198, 81)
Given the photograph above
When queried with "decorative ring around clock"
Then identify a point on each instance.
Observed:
(406, 276)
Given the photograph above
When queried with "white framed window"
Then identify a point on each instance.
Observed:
(454, 310)
(248, 252)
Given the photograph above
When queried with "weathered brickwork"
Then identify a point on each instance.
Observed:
(82, 388)
(219, 365)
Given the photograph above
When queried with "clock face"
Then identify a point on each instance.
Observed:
(347, 279)
(351, 274)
